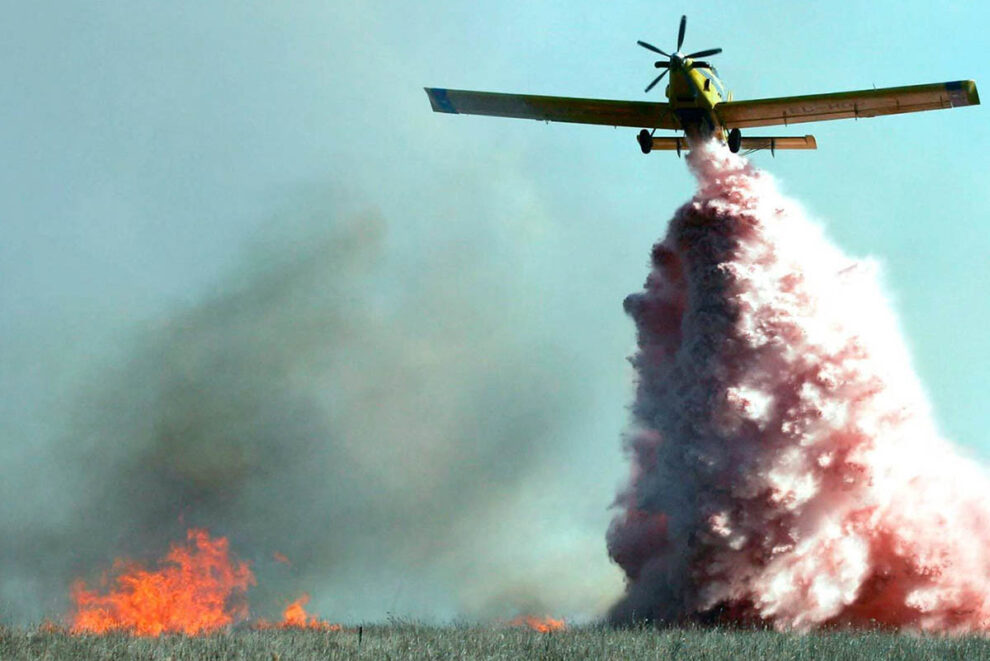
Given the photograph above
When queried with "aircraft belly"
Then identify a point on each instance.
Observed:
(698, 121)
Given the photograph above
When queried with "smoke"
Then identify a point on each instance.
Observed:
(381, 425)
(786, 467)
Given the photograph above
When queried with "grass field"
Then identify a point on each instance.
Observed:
(407, 641)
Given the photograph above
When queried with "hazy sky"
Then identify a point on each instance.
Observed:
(151, 152)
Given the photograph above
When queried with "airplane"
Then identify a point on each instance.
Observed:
(698, 105)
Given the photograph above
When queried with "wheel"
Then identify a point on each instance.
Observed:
(645, 141)
(735, 140)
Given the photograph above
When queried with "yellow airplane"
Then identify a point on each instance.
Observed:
(698, 105)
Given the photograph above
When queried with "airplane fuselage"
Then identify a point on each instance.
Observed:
(693, 93)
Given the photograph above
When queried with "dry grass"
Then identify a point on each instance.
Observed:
(413, 641)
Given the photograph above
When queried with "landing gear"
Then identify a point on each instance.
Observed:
(735, 140)
(645, 140)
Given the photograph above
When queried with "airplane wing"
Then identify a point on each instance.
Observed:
(640, 114)
(865, 103)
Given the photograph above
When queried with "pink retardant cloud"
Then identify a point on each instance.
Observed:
(786, 468)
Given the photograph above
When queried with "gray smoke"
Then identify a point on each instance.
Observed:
(417, 406)
(382, 425)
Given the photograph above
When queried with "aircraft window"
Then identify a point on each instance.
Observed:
(719, 87)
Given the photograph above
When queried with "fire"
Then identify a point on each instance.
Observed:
(295, 617)
(541, 624)
(197, 589)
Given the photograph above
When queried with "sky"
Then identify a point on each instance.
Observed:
(167, 167)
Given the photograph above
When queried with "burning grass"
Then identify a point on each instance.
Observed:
(539, 624)
(412, 641)
(295, 617)
(197, 589)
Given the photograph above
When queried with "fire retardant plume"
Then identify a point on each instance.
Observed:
(786, 466)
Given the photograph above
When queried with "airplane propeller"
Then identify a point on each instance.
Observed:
(705, 53)
(655, 81)
(652, 48)
(677, 59)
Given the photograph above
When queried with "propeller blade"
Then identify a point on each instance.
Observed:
(652, 48)
(660, 64)
(705, 53)
(680, 32)
(655, 81)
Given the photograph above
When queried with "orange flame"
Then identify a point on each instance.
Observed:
(541, 624)
(198, 589)
(295, 617)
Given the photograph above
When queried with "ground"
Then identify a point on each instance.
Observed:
(412, 641)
